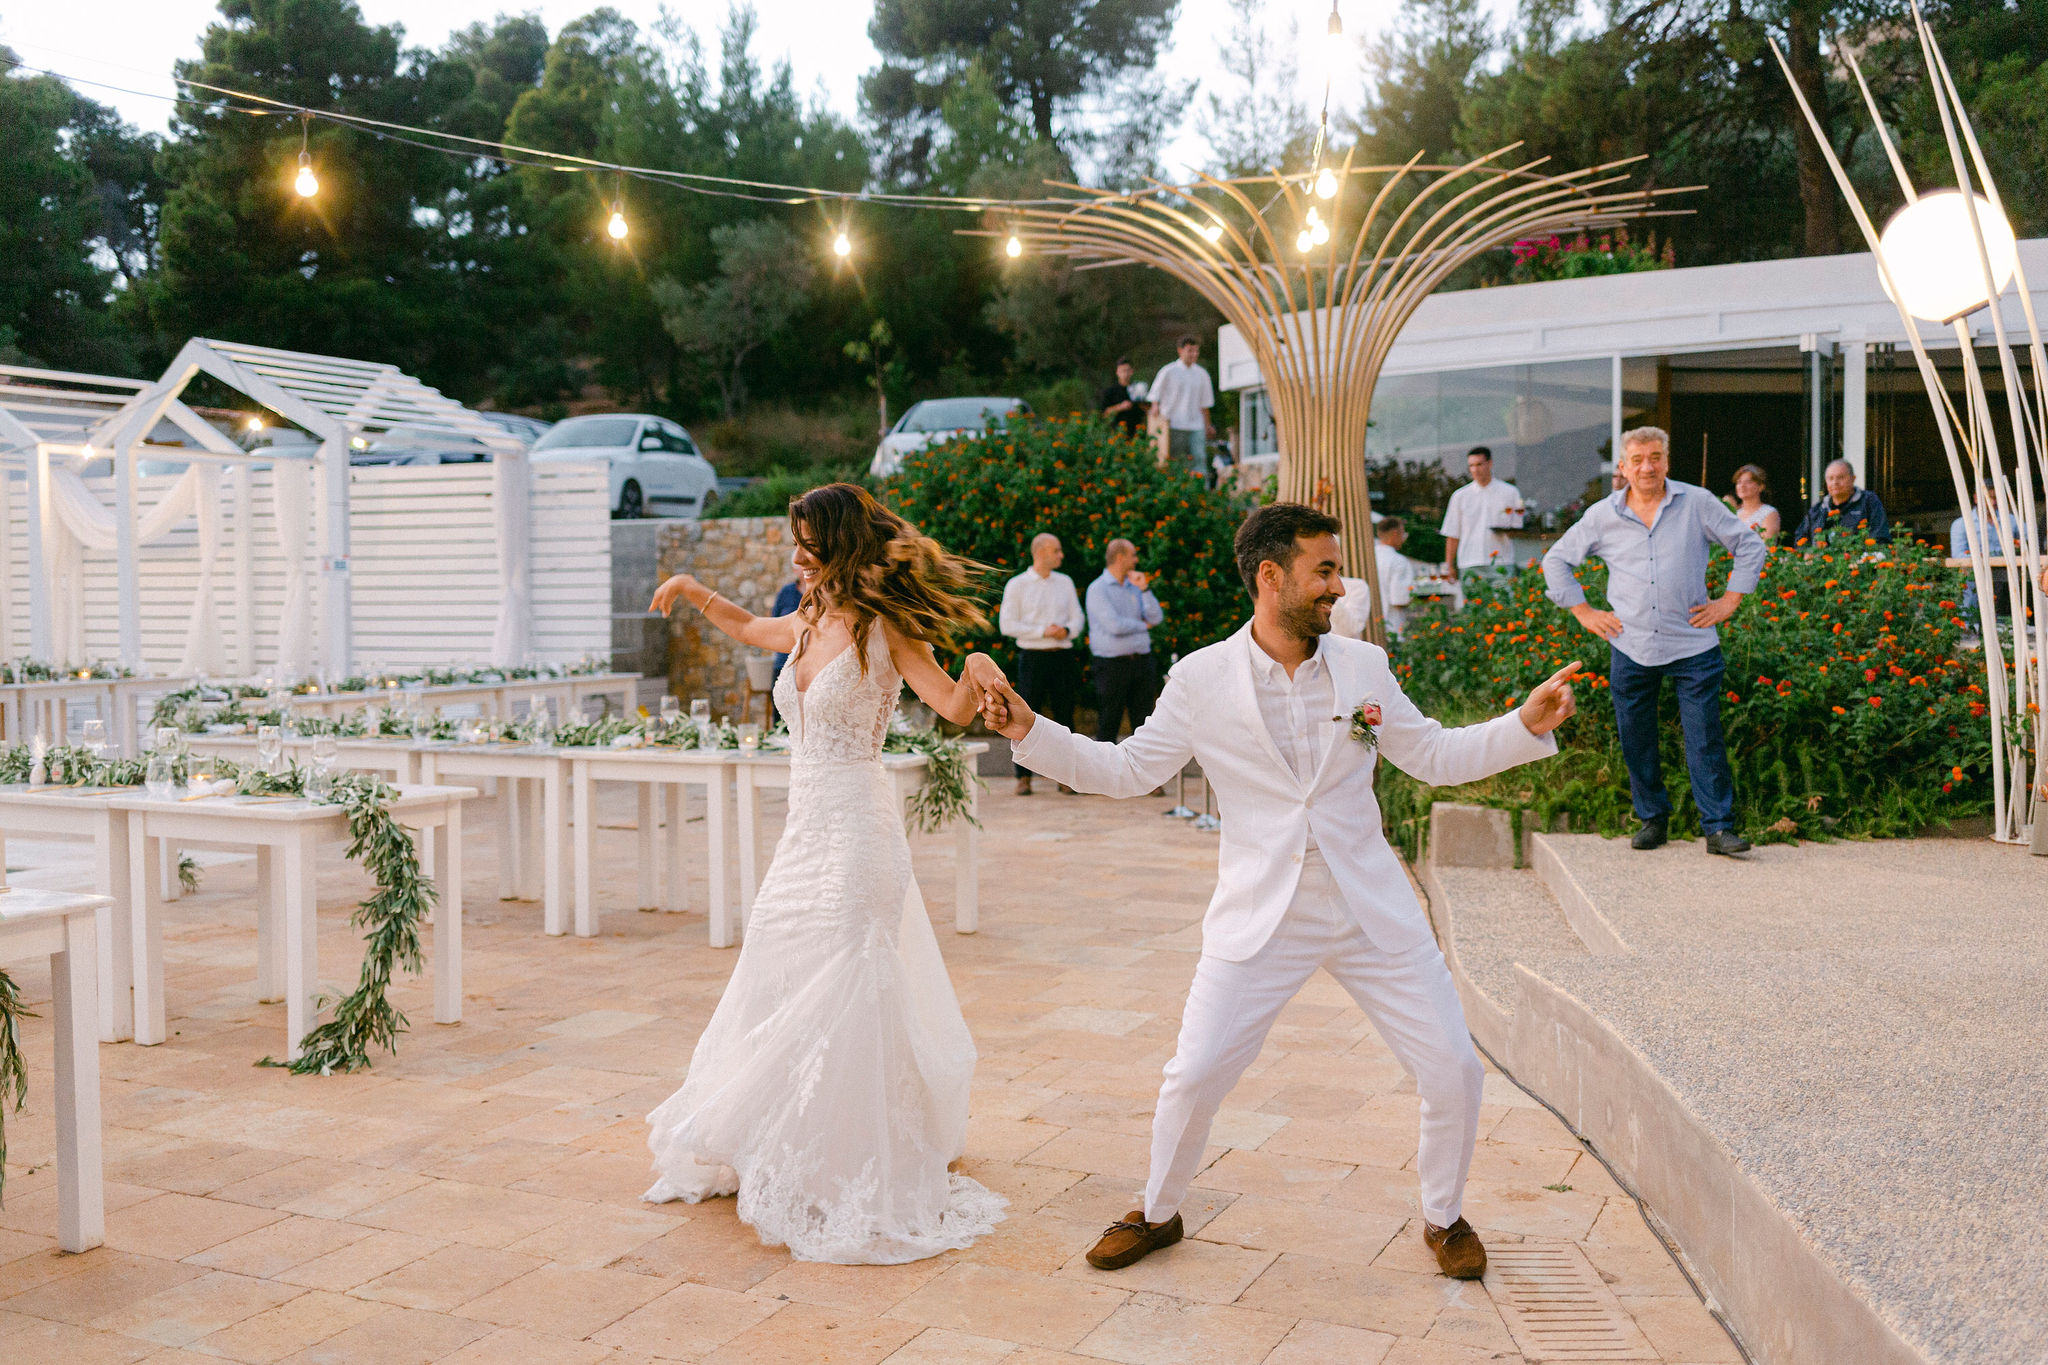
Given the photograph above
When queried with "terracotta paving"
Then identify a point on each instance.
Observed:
(475, 1198)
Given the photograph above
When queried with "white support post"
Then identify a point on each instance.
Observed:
(245, 570)
(1855, 367)
(39, 585)
(1614, 414)
(335, 599)
(128, 590)
(512, 495)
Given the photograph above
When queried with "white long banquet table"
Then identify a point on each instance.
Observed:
(664, 878)
(397, 757)
(498, 700)
(84, 814)
(286, 834)
(533, 813)
(61, 926)
(44, 708)
(769, 768)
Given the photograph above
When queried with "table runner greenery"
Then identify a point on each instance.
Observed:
(35, 671)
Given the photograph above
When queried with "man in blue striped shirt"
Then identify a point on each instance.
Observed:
(1121, 614)
(1655, 536)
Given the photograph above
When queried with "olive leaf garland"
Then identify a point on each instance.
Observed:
(13, 1070)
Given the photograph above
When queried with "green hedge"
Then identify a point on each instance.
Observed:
(1852, 708)
(986, 496)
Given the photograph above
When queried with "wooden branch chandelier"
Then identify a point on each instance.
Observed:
(1319, 272)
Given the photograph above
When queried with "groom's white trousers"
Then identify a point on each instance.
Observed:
(1232, 1005)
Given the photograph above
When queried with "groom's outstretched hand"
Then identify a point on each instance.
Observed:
(1006, 713)
(1550, 704)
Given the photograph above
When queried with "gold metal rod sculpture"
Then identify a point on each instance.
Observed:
(1320, 313)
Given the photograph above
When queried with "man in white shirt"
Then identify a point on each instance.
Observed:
(1479, 516)
(1183, 395)
(1397, 572)
(1042, 613)
(1289, 724)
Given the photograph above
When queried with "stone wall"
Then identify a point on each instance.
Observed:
(747, 560)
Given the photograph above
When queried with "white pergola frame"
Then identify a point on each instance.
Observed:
(337, 400)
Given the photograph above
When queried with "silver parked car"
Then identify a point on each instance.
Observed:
(655, 466)
(936, 419)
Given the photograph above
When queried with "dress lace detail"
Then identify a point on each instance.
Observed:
(829, 1089)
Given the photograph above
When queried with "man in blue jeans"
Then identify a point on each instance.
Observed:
(1654, 535)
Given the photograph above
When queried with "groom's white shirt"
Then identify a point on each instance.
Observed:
(1211, 710)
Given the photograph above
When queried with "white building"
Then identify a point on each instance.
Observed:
(1782, 364)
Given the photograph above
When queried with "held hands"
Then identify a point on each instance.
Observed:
(1604, 624)
(983, 674)
(1715, 612)
(1551, 704)
(671, 591)
(1006, 713)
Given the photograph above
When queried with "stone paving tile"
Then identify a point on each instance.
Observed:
(475, 1199)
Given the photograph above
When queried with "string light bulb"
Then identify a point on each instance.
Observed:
(305, 182)
(255, 424)
(1319, 233)
(1326, 184)
(842, 245)
(1304, 241)
(1014, 247)
(616, 227)
(1214, 232)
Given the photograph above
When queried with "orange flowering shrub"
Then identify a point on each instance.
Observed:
(986, 496)
(1851, 706)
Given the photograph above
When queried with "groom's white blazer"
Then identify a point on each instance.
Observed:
(1209, 711)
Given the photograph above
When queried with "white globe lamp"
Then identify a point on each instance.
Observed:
(1931, 255)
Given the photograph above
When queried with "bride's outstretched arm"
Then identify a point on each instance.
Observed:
(955, 699)
(762, 632)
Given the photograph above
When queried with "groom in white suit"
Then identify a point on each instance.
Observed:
(1287, 721)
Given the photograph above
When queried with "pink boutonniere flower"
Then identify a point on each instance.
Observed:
(1365, 723)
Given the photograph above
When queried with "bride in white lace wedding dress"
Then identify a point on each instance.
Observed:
(830, 1088)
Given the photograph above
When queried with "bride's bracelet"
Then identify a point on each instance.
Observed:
(706, 608)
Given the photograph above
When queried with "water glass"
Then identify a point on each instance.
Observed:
(671, 712)
(160, 779)
(270, 747)
(700, 719)
(93, 735)
(326, 757)
(167, 739)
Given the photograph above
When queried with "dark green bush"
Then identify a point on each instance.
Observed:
(1852, 708)
(986, 496)
(771, 495)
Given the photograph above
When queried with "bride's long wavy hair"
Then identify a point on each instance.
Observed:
(876, 564)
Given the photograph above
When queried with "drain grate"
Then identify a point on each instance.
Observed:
(1557, 1306)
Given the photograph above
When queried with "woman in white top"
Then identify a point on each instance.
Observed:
(1750, 507)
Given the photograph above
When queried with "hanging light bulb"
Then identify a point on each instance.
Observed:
(305, 182)
(616, 226)
(1305, 242)
(1319, 233)
(1932, 255)
(1326, 184)
(1014, 247)
(842, 245)
(255, 424)
(1214, 232)
(1313, 216)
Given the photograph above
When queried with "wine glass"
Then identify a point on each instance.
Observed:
(671, 711)
(269, 747)
(326, 756)
(93, 735)
(700, 720)
(166, 739)
(159, 779)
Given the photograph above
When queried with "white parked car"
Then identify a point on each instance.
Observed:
(936, 419)
(655, 465)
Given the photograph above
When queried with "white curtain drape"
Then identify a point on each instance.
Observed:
(291, 493)
(512, 491)
(82, 522)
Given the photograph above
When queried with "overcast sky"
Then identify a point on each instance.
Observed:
(133, 43)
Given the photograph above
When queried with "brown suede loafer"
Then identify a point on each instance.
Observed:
(1134, 1239)
(1458, 1249)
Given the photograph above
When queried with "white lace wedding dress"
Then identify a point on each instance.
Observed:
(830, 1087)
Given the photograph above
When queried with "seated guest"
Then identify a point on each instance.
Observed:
(1750, 508)
(1977, 527)
(1845, 508)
